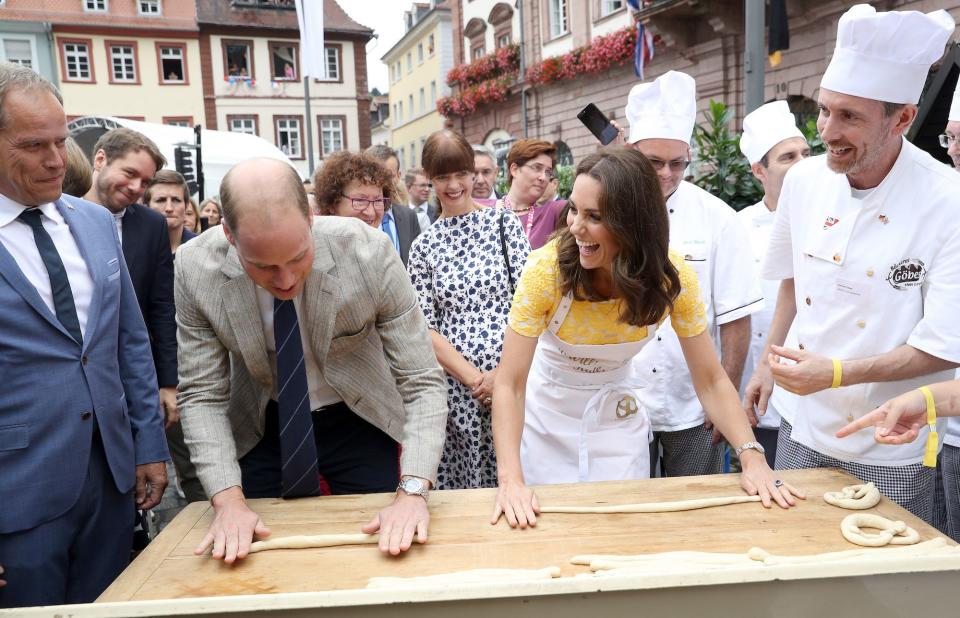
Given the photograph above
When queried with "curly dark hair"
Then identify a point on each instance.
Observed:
(634, 212)
(341, 169)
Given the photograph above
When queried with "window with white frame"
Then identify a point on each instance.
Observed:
(331, 135)
(419, 53)
(423, 101)
(503, 40)
(558, 17)
(288, 137)
(430, 40)
(410, 106)
(610, 6)
(172, 65)
(403, 156)
(76, 57)
(17, 51)
(149, 7)
(123, 63)
(243, 125)
(333, 63)
(177, 123)
(478, 52)
(399, 72)
(413, 154)
(400, 113)
(95, 6)
(409, 62)
(433, 94)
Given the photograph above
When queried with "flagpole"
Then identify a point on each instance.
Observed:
(306, 104)
(754, 60)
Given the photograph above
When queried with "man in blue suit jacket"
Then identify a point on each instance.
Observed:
(81, 435)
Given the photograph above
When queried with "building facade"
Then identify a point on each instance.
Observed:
(704, 38)
(135, 59)
(252, 83)
(417, 65)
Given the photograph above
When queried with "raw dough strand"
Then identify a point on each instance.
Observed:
(854, 497)
(653, 507)
(306, 542)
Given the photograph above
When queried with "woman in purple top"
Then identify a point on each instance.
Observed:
(530, 168)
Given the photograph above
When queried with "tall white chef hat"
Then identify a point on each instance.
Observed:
(665, 108)
(955, 107)
(886, 56)
(765, 127)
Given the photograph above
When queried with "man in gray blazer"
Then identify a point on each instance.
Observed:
(323, 308)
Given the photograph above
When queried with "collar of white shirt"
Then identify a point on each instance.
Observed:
(10, 210)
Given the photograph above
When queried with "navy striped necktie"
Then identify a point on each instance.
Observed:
(298, 448)
(63, 304)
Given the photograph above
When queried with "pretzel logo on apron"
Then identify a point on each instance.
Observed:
(627, 407)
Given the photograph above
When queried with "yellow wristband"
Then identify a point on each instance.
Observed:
(930, 451)
(837, 373)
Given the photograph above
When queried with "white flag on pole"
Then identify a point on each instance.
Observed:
(312, 57)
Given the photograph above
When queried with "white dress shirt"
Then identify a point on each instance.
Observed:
(118, 218)
(758, 221)
(707, 233)
(321, 393)
(17, 238)
(870, 275)
(423, 215)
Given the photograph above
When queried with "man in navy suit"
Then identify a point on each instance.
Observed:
(81, 435)
(124, 163)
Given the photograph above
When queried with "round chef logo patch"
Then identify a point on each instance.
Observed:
(907, 273)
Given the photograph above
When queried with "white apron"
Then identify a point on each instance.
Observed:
(583, 416)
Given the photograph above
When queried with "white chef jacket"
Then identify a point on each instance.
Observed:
(758, 221)
(870, 275)
(953, 426)
(707, 233)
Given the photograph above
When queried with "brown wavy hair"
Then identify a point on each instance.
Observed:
(339, 170)
(633, 210)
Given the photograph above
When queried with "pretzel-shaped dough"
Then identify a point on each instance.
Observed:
(891, 532)
(854, 497)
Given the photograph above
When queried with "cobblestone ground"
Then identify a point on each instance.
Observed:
(171, 504)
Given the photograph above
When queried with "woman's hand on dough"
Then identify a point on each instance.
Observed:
(758, 479)
(397, 523)
(234, 524)
(517, 503)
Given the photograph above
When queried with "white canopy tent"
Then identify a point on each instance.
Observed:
(221, 150)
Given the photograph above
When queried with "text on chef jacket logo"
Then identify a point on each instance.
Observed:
(907, 273)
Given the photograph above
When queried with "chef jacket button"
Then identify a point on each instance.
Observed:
(883, 219)
(869, 272)
(849, 418)
(836, 257)
(671, 211)
(807, 300)
(654, 369)
(659, 338)
(86, 414)
(800, 346)
(861, 323)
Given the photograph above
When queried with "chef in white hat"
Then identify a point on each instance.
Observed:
(772, 144)
(706, 232)
(867, 244)
(951, 136)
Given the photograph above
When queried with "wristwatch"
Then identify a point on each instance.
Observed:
(413, 486)
(750, 445)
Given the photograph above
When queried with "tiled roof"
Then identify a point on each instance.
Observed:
(228, 13)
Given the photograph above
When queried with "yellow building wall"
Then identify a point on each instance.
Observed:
(417, 125)
(148, 99)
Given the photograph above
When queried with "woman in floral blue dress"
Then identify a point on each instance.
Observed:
(464, 268)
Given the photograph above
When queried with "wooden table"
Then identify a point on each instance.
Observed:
(168, 579)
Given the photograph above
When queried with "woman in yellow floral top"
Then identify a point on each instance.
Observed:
(564, 407)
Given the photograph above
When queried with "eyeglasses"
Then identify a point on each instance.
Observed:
(538, 169)
(422, 185)
(360, 203)
(947, 140)
(677, 165)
